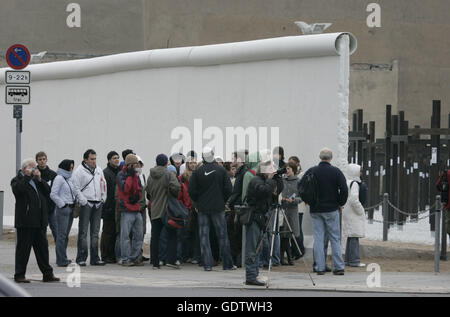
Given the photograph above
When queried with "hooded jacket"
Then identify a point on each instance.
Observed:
(96, 190)
(353, 215)
(129, 191)
(157, 190)
(252, 161)
(236, 196)
(63, 190)
(31, 210)
(210, 187)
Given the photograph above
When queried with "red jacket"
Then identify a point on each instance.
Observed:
(183, 194)
(128, 187)
(438, 185)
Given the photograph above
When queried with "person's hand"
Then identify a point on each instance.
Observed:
(130, 171)
(37, 174)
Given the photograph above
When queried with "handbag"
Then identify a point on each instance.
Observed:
(175, 213)
(244, 213)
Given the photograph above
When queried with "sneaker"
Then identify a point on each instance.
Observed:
(359, 265)
(156, 267)
(234, 267)
(173, 266)
(178, 263)
(338, 272)
(208, 269)
(194, 262)
(161, 263)
(98, 263)
(255, 283)
(127, 263)
(82, 263)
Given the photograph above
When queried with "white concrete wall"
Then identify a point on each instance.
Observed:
(296, 84)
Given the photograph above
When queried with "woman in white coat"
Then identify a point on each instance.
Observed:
(353, 218)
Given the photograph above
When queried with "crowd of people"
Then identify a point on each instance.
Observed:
(213, 192)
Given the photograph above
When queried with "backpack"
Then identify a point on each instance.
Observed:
(309, 190)
(175, 213)
(362, 192)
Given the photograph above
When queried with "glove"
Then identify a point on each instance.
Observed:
(130, 171)
(134, 199)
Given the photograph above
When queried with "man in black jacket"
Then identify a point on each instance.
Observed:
(210, 187)
(108, 239)
(31, 220)
(332, 195)
(261, 195)
(48, 175)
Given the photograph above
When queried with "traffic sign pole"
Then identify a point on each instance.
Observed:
(17, 114)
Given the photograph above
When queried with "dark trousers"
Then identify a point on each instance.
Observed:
(108, 240)
(157, 227)
(26, 239)
(235, 236)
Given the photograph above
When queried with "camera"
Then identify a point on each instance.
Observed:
(280, 172)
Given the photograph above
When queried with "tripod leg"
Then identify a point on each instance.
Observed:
(264, 234)
(296, 244)
(274, 231)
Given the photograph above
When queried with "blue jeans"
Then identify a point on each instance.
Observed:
(352, 257)
(220, 226)
(252, 237)
(131, 222)
(265, 254)
(89, 215)
(53, 224)
(327, 223)
(64, 219)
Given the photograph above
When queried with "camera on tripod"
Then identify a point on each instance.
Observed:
(279, 173)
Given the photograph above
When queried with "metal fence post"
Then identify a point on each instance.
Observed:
(437, 227)
(385, 216)
(1, 213)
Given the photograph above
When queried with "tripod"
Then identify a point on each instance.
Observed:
(276, 231)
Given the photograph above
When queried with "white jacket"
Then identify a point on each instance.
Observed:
(96, 190)
(353, 214)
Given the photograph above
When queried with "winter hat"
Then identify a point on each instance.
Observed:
(172, 168)
(208, 154)
(161, 160)
(65, 165)
(111, 154)
(131, 159)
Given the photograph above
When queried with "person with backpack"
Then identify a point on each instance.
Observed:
(353, 218)
(160, 184)
(324, 189)
(442, 186)
(210, 188)
(64, 195)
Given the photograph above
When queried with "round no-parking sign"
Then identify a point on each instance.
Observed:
(18, 56)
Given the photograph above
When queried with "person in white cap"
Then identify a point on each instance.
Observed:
(210, 187)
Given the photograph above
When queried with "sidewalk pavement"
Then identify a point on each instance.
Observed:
(193, 276)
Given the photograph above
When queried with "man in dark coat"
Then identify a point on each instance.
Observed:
(108, 239)
(31, 220)
(210, 187)
(48, 175)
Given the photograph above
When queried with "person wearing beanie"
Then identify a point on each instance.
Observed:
(210, 188)
(129, 194)
(160, 183)
(64, 195)
(108, 238)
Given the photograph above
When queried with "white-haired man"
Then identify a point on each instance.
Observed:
(31, 221)
(332, 195)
